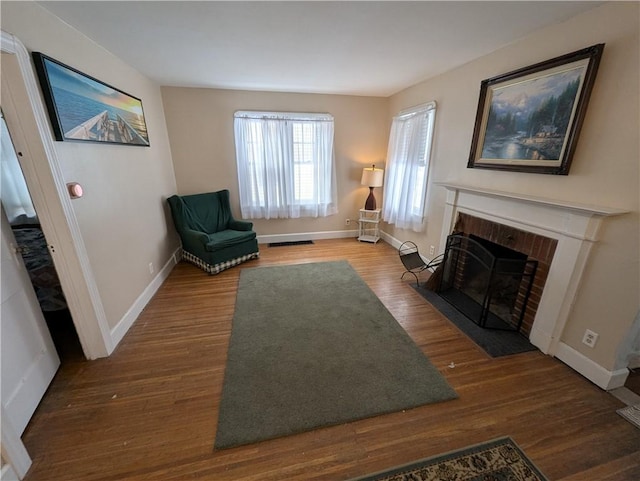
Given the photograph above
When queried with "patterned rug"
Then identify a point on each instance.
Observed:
(497, 460)
(631, 414)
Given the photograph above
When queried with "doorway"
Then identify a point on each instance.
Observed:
(34, 249)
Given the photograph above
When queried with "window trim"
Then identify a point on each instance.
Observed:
(265, 114)
(416, 109)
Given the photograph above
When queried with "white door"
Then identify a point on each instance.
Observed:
(28, 356)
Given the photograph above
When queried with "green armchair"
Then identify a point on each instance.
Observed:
(211, 238)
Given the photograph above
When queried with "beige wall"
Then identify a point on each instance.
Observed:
(200, 124)
(122, 216)
(605, 168)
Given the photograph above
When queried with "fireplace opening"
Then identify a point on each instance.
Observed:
(489, 283)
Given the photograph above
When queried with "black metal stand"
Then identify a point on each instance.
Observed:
(413, 261)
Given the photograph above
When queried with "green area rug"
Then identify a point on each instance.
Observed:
(497, 460)
(311, 345)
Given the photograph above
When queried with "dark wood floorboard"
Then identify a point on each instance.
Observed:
(149, 411)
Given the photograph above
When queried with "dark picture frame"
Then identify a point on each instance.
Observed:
(529, 120)
(82, 108)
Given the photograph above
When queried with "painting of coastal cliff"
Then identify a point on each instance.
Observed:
(84, 109)
(529, 120)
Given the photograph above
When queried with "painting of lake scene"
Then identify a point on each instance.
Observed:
(85, 109)
(529, 120)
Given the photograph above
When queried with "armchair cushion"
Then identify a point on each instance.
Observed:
(227, 238)
(211, 238)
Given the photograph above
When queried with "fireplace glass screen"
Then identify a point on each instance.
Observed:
(487, 282)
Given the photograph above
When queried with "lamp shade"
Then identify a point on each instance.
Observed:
(372, 177)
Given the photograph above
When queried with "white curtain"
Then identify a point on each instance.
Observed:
(13, 188)
(286, 166)
(408, 155)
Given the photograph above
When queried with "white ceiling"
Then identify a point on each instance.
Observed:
(359, 48)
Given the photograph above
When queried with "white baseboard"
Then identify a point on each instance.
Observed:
(118, 332)
(301, 236)
(395, 243)
(8, 474)
(593, 371)
(389, 239)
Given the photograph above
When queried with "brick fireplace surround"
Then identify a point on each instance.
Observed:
(535, 246)
(573, 228)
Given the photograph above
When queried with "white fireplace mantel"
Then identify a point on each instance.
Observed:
(535, 205)
(560, 204)
(575, 226)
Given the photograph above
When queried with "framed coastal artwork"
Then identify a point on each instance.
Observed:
(529, 120)
(82, 108)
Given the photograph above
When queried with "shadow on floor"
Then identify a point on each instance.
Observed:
(64, 335)
(633, 381)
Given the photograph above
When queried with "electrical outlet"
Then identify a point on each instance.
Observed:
(590, 338)
(151, 269)
(347, 222)
(432, 250)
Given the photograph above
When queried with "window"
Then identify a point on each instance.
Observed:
(405, 188)
(286, 164)
(303, 146)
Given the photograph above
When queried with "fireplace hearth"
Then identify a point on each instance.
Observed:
(489, 283)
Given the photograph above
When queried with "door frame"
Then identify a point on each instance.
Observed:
(32, 137)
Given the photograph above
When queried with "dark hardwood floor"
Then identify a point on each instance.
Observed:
(149, 411)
